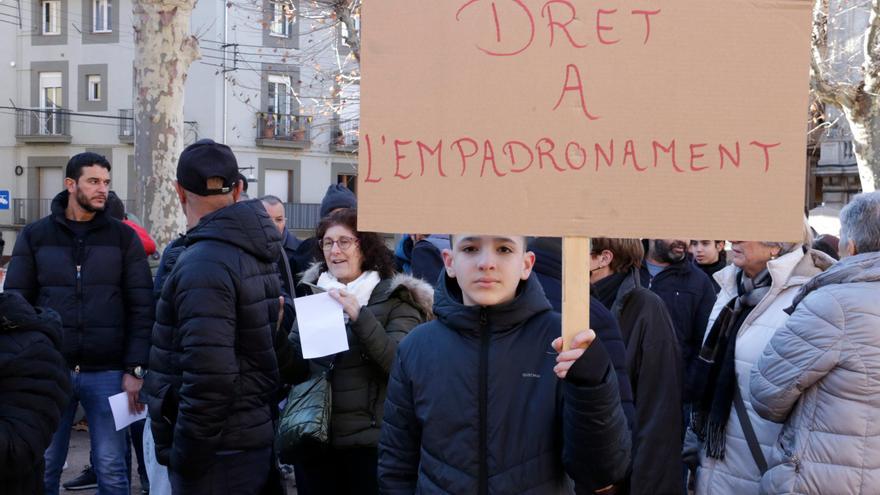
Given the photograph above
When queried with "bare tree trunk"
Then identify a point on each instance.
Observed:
(164, 50)
(860, 102)
(345, 12)
(866, 145)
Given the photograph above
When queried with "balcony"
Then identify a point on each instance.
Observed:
(126, 125)
(346, 136)
(302, 216)
(283, 130)
(26, 210)
(42, 125)
(126, 128)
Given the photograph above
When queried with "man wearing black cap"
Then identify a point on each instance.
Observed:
(213, 374)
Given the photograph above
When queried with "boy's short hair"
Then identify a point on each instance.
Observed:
(524, 240)
(628, 253)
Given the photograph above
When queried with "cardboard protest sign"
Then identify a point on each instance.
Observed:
(651, 118)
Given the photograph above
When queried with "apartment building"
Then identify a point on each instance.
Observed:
(268, 84)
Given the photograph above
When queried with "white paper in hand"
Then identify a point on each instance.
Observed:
(121, 414)
(321, 325)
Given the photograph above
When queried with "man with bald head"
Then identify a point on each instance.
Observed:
(213, 373)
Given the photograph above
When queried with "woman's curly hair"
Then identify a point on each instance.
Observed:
(376, 256)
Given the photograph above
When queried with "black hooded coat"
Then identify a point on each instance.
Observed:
(34, 390)
(213, 375)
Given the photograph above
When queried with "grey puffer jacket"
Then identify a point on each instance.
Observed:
(820, 374)
(360, 374)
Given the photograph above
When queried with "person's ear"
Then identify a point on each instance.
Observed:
(236, 191)
(528, 264)
(607, 257)
(70, 185)
(448, 262)
(851, 248)
(181, 193)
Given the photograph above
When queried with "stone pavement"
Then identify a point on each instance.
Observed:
(78, 457)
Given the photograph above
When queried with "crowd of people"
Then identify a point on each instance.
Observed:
(704, 370)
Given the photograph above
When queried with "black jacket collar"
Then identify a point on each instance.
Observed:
(59, 209)
(529, 301)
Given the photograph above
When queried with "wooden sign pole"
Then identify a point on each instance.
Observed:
(575, 287)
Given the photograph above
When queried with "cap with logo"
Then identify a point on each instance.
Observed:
(203, 160)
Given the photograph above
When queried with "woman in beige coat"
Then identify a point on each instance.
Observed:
(755, 290)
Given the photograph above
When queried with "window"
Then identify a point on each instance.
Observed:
(50, 102)
(51, 10)
(101, 10)
(93, 86)
(50, 90)
(282, 19)
(279, 94)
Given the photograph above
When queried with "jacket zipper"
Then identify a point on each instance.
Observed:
(792, 457)
(79, 298)
(484, 403)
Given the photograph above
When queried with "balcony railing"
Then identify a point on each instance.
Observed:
(27, 210)
(126, 125)
(283, 130)
(346, 136)
(126, 128)
(42, 125)
(302, 216)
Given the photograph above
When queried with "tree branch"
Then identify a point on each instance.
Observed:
(345, 12)
(871, 66)
(826, 91)
(822, 87)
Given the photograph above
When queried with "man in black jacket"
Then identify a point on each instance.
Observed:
(686, 290)
(92, 270)
(478, 401)
(213, 374)
(34, 390)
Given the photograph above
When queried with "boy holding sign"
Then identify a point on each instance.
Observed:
(479, 402)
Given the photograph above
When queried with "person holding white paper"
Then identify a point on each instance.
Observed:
(380, 308)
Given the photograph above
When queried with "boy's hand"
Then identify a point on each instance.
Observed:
(566, 359)
(349, 302)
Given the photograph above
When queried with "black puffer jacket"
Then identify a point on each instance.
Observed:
(548, 269)
(360, 374)
(653, 363)
(213, 374)
(34, 389)
(475, 407)
(106, 305)
(689, 297)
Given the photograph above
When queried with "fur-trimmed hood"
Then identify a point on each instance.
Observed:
(421, 293)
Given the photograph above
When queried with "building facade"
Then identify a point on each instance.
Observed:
(268, 83)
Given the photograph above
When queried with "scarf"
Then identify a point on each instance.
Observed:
(606, 289)
(362, 287)
(713, 375)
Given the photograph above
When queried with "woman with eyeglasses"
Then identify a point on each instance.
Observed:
(380, 308)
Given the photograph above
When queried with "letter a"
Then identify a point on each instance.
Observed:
(579, 87)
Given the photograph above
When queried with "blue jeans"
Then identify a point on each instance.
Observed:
(157, 473)
(92, 388)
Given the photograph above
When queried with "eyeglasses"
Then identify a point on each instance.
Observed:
(343, 242)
